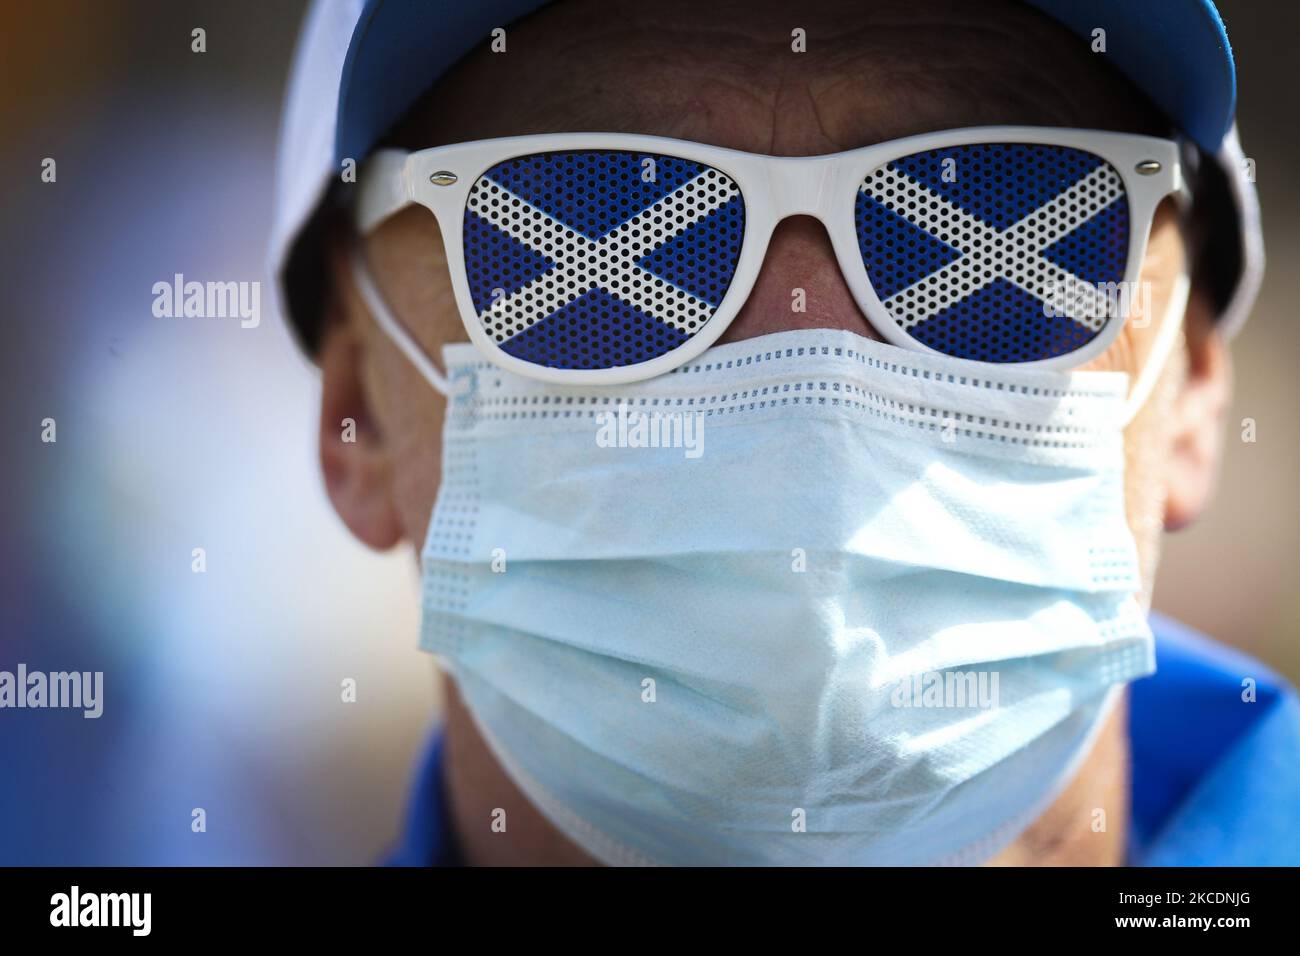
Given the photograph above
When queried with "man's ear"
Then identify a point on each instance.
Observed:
(1198, 415)
(354, 457)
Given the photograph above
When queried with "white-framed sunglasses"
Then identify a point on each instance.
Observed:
(603, 258)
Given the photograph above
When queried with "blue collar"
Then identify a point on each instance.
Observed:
(1216, 775)
(428, 838)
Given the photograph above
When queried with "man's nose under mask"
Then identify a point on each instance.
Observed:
(807, 599)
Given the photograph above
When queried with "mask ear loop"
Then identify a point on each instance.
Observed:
(1171, 327)
(1171, 323)
(403, 339)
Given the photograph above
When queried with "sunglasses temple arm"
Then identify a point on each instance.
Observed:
(394, 329)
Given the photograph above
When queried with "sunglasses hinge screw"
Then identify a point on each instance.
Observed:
(443, 177)
(1148, 167)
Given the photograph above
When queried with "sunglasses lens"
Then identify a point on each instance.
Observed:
(597, 259)
(999, 252)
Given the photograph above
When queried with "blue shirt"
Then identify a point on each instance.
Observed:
(1216, 779)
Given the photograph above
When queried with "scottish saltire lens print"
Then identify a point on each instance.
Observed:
(598, 259)
(998, 252)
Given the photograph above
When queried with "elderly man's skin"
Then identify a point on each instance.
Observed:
(723, 73)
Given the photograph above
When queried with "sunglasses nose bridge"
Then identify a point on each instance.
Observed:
(799, 185)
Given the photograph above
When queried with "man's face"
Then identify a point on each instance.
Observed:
(724, 73)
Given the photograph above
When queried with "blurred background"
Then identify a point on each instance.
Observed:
(223, 689)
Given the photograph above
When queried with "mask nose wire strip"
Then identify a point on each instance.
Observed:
(1171, 324)
(403, 339)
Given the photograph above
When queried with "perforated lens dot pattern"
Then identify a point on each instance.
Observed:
(998, 252)
(599, 259)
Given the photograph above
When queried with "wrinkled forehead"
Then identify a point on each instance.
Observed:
(777, 77)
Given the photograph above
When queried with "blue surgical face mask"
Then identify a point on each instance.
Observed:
(807, 599)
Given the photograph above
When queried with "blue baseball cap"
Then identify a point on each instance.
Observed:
(361, 64)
